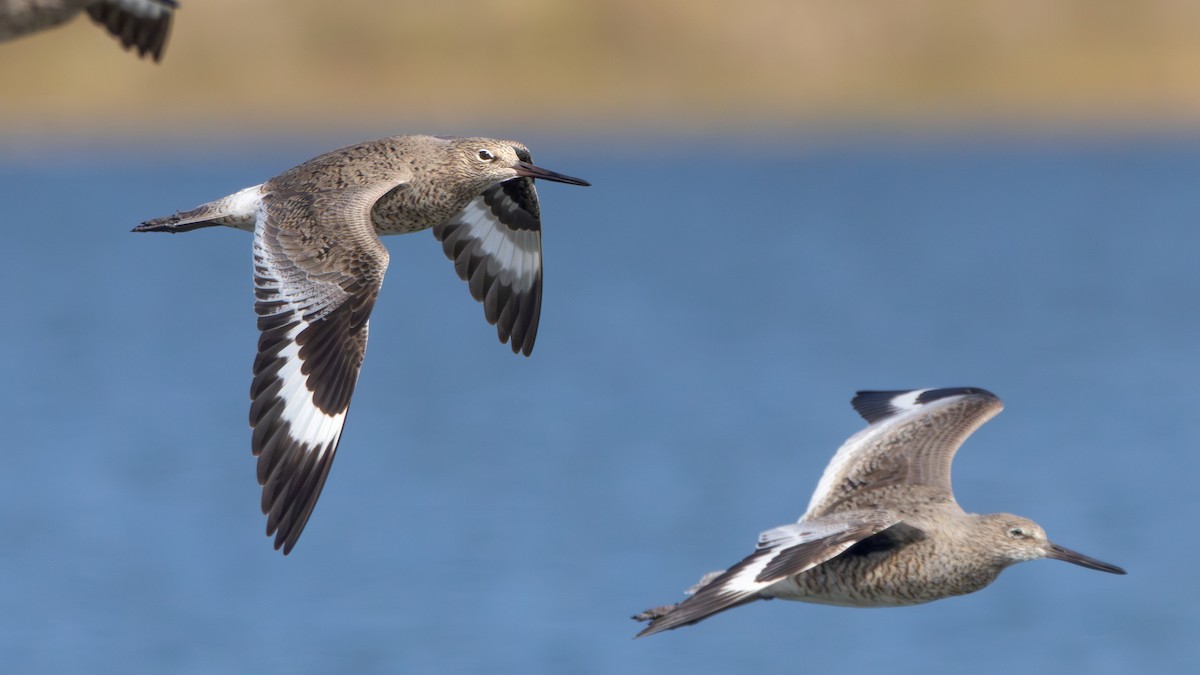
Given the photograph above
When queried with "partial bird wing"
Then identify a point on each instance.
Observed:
(496, 245)
(318, 267)
(144, 24)
(782, 552)
(909, 444)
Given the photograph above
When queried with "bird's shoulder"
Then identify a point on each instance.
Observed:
(372, 166)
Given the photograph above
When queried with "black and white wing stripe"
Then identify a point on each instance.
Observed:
(144, 24)
(496, 245)
(318, 267)
(782, 552)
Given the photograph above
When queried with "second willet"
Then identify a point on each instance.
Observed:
(319, 264)
(882, 528)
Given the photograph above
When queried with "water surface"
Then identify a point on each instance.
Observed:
(708, 314)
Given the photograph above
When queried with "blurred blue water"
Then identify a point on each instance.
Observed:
(709, 311)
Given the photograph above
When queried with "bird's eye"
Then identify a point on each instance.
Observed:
(1017, 533)
(486, 156)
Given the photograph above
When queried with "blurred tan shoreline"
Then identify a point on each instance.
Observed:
(678, 67)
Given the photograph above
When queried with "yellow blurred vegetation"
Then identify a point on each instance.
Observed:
(682, 65)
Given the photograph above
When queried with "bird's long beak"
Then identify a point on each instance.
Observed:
(1065, 554)
(530, 171)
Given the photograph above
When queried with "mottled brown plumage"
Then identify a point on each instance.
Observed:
(883, 527)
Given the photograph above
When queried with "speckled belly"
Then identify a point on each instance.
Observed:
(876, 581)
(409, 210)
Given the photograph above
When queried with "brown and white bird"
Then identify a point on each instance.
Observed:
(319, 265)
(882, 528)
(140, 24)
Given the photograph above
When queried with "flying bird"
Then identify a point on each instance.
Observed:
(319, 265)
(882, 528)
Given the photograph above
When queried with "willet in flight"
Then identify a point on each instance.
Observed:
(882, 528)
(319, 264)
(143, 24)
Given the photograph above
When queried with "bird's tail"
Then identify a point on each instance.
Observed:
(238, 210)
(782, 552)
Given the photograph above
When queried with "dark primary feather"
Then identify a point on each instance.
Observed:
(724, 591)
(519, 209)
(796, 559)
(705, 602)
(514, 309)
(147, 33)
(875, 406)
(893, 538)
(302, 278)
(946, 392)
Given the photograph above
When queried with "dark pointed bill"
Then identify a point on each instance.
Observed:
(530, 171)
(1067, 555)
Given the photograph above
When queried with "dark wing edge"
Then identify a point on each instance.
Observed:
(147, 30)
(876, 406)
(314, 322)
(496, 246)
(782, 552)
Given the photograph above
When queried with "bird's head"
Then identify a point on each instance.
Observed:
(1019, 539)
(494, 161)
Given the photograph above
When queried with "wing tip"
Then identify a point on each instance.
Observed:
(652, 616)
(691, 611)
(878, 405)
(285, 531)
(931, 395)
(286, 545)
(147, 35)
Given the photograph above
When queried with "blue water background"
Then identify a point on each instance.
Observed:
(709, 311)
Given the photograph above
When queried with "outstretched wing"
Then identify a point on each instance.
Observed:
(144, 24)
(782, 552)
(318, 267)
(496, 245)
(910, 443)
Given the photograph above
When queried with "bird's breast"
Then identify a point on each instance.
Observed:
(410, 208)
(908, 576)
